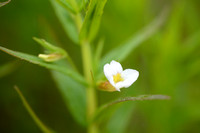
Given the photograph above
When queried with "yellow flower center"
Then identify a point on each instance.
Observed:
(117, 78)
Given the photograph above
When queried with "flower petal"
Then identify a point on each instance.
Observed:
(116, 67)
(129, 76)
(107, 71)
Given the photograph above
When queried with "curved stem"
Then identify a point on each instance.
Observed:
(40, 124)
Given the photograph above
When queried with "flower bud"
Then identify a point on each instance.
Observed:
(54, 53)
(50, 57)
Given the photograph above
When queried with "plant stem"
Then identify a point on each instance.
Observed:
(87, 66)
(91, 92)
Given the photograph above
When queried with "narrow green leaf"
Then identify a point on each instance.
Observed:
(74, 96)
(4, 3)
(8, 68)
(35, 60)
(92, 20)
(49, 46)
(67, 21)
(138, 98)
(61, 53)
(122, 51)
(39, 123)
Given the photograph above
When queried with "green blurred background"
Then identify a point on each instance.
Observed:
(168, 62)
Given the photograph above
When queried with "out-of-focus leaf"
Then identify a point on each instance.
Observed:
(165, 63)
(190, 45)
(8, 68)
(4, 3)
(35, 60)
(121, 52)
(192, 70)
(92, 20)
(74, 95)
(39, 123)
(67, 21)
(120, 119)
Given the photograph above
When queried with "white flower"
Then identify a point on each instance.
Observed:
(119, 78)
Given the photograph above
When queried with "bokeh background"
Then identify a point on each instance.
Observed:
(168, 62)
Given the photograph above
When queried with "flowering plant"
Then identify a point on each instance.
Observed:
(81, 21)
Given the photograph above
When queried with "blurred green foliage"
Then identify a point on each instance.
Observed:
(168, 62)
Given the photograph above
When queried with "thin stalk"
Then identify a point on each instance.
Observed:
(91, 92)
(40, 124)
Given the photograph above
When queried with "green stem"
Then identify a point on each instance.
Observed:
(91, 92)
(87, 66)
(32, 113)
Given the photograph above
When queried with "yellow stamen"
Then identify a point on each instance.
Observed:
(117, 78)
